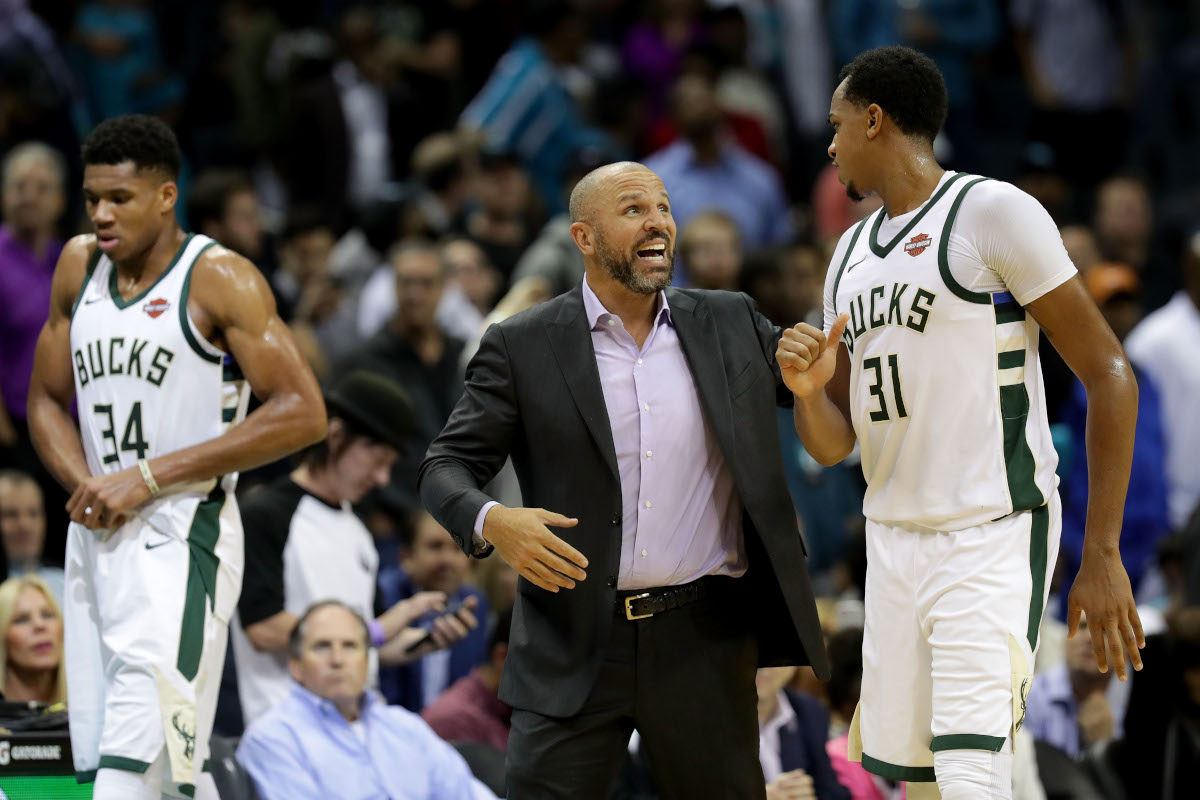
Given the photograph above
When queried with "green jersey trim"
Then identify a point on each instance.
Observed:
(116, 293)
(93, 260)
(842, 267)
(123, 763)
(883, 250)
(201, 582)
(184, 321)
(897, 772)
(944, 260)
(1039, 550)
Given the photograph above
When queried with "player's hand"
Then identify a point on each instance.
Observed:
(100, 502)
(523, 540)
(807, 357)
(1102, 591)
(794, 785)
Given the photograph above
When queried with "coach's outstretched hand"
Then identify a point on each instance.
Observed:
(807, 357)
(523, 539)
(1102, 591)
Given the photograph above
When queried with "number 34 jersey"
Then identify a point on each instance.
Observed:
(946, 391)
(146, 381)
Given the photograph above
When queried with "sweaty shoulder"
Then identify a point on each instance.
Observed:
(225, 282)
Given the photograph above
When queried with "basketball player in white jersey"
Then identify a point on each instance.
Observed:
(156, 335)
(933, 307)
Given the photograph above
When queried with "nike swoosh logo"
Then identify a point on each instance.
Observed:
(168, 540)
(93, 300)
(856, 263)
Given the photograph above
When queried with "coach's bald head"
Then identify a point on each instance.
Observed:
(621, 222)
(583, 196)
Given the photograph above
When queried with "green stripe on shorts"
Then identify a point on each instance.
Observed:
(1039, 548)
(967, 741)
(202, 580)
(897, 772)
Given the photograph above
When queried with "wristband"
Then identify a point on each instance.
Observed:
(148, 477)
(375, 632)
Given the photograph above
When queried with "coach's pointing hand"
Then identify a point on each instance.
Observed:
(807, 357)
(523, 540)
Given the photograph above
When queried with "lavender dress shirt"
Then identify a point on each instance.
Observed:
(681, 518)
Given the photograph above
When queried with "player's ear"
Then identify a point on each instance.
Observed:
(874, 120)
(168, 195)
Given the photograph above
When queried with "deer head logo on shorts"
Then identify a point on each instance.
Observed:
(189, 737)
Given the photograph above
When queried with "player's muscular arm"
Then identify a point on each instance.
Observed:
(52, 386)
(233, 306)
(1088, 346)
(816, 367)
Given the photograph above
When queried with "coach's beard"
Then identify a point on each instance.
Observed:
(625, 273)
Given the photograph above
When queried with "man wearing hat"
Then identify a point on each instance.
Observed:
(305, 544)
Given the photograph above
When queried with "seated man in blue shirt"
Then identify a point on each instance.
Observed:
(330, 738)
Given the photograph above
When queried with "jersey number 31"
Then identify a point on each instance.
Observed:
(881, 414)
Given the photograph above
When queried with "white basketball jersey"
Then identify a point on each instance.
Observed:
(146, 381)
(946, 389)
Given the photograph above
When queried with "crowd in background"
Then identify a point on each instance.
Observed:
(399, 172)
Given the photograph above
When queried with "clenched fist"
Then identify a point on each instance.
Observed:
(808, 357)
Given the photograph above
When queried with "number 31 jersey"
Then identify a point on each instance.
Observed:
(146, 382)
(946, 392)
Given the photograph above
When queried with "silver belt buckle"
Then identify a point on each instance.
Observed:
(629, 615)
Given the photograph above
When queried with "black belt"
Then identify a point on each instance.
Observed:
(645, 603)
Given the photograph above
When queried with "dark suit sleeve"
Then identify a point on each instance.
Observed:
(473, 446)
(768, 334)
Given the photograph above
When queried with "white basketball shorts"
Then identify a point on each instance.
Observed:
(950, 636)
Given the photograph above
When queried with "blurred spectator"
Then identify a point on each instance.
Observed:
(1074, 706)
(308, 545)
(1125, 230)
(471, 710)
(32, 648)
(412, 349)
(704, 168)
(792, 731)
(355, 127)
(23, 530)
(506, 216)
(330, 737)
(120, 60)
(223, 205)
(710, 249)
(431, 562)
(313, 297)
(655, 46)
(1162, 346)
(443, 185)
(1082, 247)
(471, 288)
(1160, 754)
(32, 198)
(1115, 288)
(1078, 61)
(526, 107)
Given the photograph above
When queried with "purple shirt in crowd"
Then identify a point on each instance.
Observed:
(681, 517)
(25, 297)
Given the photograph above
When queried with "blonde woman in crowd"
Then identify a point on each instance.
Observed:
(32, 648)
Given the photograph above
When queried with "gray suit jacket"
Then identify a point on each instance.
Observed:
(533, 391)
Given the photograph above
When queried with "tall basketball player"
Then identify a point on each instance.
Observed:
(156, 335)
(933, 308)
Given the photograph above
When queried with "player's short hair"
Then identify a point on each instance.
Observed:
(904, 82)
(296, 637)
(146, 141)
(210, 194)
